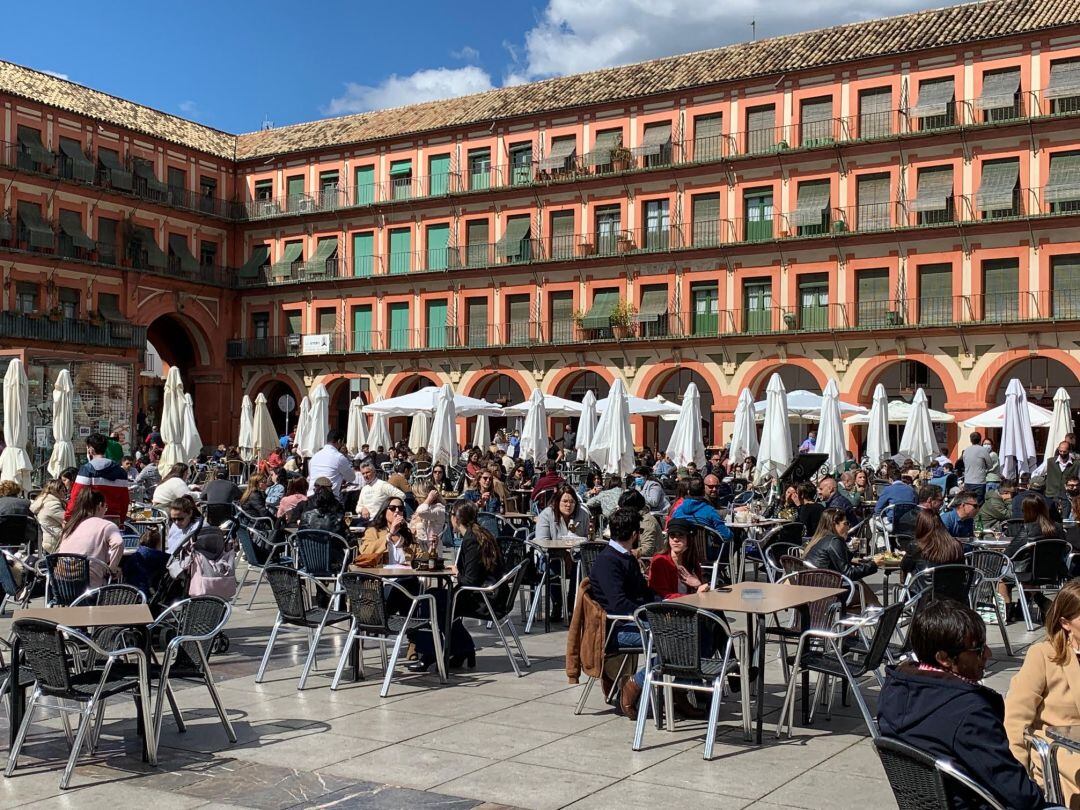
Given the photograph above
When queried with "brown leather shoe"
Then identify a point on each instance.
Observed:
(629, 696)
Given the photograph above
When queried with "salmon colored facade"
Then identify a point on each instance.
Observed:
(904, 219)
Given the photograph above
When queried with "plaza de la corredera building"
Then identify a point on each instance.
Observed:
(890, 201)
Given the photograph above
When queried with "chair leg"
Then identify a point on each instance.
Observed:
(584, 695)
(787, 710)
(178, 716)
(1025, 608)
(95, 738)
(385, 690)
(714, 716)
(314, 646)
(643, 711)
(243, 582)
(537, 593)
(346, 648)
(1001, 626)
(269, 648)
(211, 687)
(20, 738)
(85, 722)
(517, 641)
(505, 643)
(258, 582)
(871, 724)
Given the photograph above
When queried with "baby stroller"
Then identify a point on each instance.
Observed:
(203, 565)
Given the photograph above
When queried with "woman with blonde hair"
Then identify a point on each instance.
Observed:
(48, 508)
(1046, 690)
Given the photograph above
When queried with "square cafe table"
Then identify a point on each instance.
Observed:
(76, 618)
(774, 598)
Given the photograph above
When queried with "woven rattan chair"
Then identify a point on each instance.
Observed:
(321, 554)
(958, 582)
(920, 781)
(822, 613)
(67, 577)
(994, 566)
(372, 620)
(1040, 567)
(586, 556)
(496, 605)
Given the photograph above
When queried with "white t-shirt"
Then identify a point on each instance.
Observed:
(168, 491)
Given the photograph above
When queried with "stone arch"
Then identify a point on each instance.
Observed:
(757, 375)
(996, 375)
(671, 381)
(861, 389)
(562, 383)
(406, 382)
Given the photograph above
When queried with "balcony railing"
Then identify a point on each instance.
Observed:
(72, 331)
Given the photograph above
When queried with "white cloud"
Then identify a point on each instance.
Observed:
(424, 85)
(572, 36)
(188, 107)
(56, 73)
(466, 53)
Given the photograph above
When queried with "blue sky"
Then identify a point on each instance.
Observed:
(232, 64)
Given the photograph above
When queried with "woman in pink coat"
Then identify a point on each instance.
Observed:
(89, 534)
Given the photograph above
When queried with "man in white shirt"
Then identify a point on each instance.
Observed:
(331, 463)
(374, 493)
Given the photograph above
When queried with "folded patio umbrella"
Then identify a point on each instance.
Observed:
(419, 431)
(612, 446)
(830, 436)
(193, 443)
(586, 425)
(246, 441)
(63, 451)
(1017, 451)
(172, 421)
(1061, 423)
(303, 428)
(356, 433)
(774, 455)
(687, 443)
(534, 433)
(744, 438)
(318, 421)
(482, 432)
(264, 439)
(877, 432)
(443, 444)
(14, 461)
(917, 442)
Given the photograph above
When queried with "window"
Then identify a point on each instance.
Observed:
(72, 239)
(260, 325)
(519, 320)
(1065, 282)
(114, 171)
(398, 333)
(657, 225)
(364, 254)
(705, 211)
(1062, 190)
(562, 234)
(364, 191)
(69, 302)
(761, 130)
(26, 297)
(34, 231)
(109, 306)
(476, 243)
(521, 158)
(561, 316)
(326, 318)
(560, 157)
(597, 321)
(999, 194)
(400, 250)
(607, 229)
(362, 333)
(181, 259)
(655, 147)
(816, 122)
(401, 179)
(758, 207)
(1063, 88)
(438, 241)
(935, 293)
(875, 113)
(324, 264)
(936, 108)
(652, 315)
(207, 193)
(811, 214)
(476, 321)
(438, 175)
(264, 190)
(757, 305)
(874, 211)
(435, 316)
(176, 179)
(933, 203)
(516, 244)
(328, 190)
(293, 322)
(813, 303)
(1001, 290)
(74, 164)
(602, 155)
(146, 183)
(479, 169)
(32, 155)
(873, 307)
(708, 137)
(1000, 99)
(207, 253)
(106, 241)
(264, 199)
(295, 201)
(288, 266)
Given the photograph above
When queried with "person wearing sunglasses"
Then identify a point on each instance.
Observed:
(938, 705)
(482, 493)
(388, 540)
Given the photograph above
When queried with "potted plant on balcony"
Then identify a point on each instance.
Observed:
(587, 247)
(621, 159)
(56, 314)
(622, 317)
(578, 317)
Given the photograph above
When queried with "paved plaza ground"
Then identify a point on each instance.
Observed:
(487, 739)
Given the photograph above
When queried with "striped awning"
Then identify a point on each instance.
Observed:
(935, 189)
(934, 98)
(81, 167)
(998, 185)
(71, 225)
(599, 314)
(155, 256)
(260, 255)
(38, 232)
(179, 247)
(562, 150)
(144, 170)
(119, 177)
(1064, 182)
(30, 140)
(654, 303)
(1064, 80)
(657, 137)
(999, 90)
(813, 201)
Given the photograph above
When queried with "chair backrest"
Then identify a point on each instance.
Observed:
(218, 513)
(542, 499)
(321, 553)
(110, 595)
(1047, 562)
(69, 577)
(288, 587)
(587, 554)
(198, 616)
(367, 601)
(785, 533)
(991, 564)
(821, 611)
(790, 563)
(1012, 527)
(675, 631)
(20, 531)
(246, 535)
(775, 554)
(957, 582)
(45, 652)
(921, 782)
(506, 596)
(883, 633)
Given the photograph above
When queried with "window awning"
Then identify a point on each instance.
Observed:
(69, 295)
(605, 142)
(38, 232)
(599, 315)
(155, 256)
(813, 200)
(145, 171)
(1064, 182)
(71, 225)
(1064, 80)
(998, 185)
(260, 254)
(512, 242)
(934, 98)
(119, 177)
(325, 250)
(400, 168)
(816, 110)
(30, 140)
(656, 138)
(999, 90)
(935, 189)
(180, 249)
(561, 151)
(294, 252)
(654, 303)
(81, 167)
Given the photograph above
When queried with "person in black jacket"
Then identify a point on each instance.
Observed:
(939, 707)
(830, 495)
(828, 548)
(323, 511)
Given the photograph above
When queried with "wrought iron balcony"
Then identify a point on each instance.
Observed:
(52, 328)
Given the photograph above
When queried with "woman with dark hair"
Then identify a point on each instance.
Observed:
(677, 571)
(439, 481)
(253, 501)
(1037, 525)
(476, 460)
(276, 491)
(482, 493)
(88, 533)
(172, 486)
(933, 545)
(324, 512)
(828, 547)
(388, 540)
(564, 516)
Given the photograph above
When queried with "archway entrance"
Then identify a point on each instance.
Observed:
(575, 386)
(901, 380)
(795, 378)
(399, 425)
(284, 419)
(673, 386)
(1041, 377)
(501, 389)
(169, 339)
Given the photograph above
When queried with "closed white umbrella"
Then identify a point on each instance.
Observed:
(419, 431)
(172, 421)
(14, 461)
(830, 437)
(356, 434)
(774, 455)
(534, 434)
(744, 439)
(443, 442)
(877, 430)
(687, 443)
(586, 425)
(63, 451)
(612, 446)
(917, 441)
(482, 432)
(193, 443)
(303, 428)
(1017, 451)
(246, 442)
(264, 437)
(1061, 424)
(319, 424)
(380, 432)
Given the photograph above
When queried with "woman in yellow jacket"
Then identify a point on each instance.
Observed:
(1046, 690)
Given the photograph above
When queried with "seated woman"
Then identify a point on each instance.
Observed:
(253, 504)
(483, 494)
(564, 517)
(479, 564)
(295, 494)
(439, 481)
(828, 548)
(1037, 525)
(48, 508)
(1045, 691)
(429, 520)
(172, 485)
(933, 546)
(677, 571)
(276, 491)
(88, 533)
(145, 567)
(184, 522)
(324, 512)
(807, 509)
(388, 540)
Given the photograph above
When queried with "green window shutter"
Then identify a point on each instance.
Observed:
(761, 129)
(705, 210)
(438, 241)
(364, 193)
(71, 226)
(1065, 282)
(400, 251)
(182, 258)
(519, 319)
(705, 298)
(873, 204)
(436, 324)
(324, 263)
(476, 241)
(74, 163)
(398, 338)
(293, 321)
(294, 191)
(997, 188)
(562, 235)
(479, 169)
(811, 214)
(401, 180)
(400, 168)
(438, 175)
(477, 324)
(757, 306)
(813, 302)
(515, 245)
(1001, 290)
(652, 316)
(759, 215)
(599, 314)
(561, 315)
(364, 254)
(327, 320)
(252, 268)
(362, 328)
(935, 294)
(875, 112)
(1063, 185)
(606, 140)
(872, 297)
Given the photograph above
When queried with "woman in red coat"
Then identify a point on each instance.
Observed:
(677, 572)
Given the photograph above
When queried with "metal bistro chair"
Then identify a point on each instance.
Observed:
(673, 648)
(586, 555)
(956, 581)
(790, 534)
(247, 535)
(67, 577)
(373, 621)
(295, 610)
(707, 538)
(994, 567)
(20, 533)
(497, 605)
(322, 554)
(774, 557)
(1041, 566)
(823, 613)
(60, 687)
(920, 781)
(612, 648)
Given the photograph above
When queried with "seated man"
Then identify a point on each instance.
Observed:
(960, 520)
(899, 491)
(939, 707)
(930, 498)
(830, 495)
(997, 509)
(696, 509)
